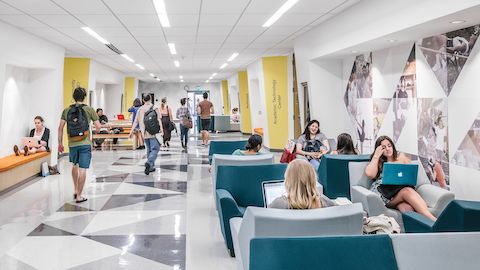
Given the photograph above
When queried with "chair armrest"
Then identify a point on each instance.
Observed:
(227, 209)
(436, 198)
(416, 223)
(371, 202)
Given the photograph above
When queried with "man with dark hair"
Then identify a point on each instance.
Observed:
(78, 117)
(205, 110)
(153, 146)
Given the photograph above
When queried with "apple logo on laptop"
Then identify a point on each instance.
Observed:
(400, 174)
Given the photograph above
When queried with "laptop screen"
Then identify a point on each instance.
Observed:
(272, 190)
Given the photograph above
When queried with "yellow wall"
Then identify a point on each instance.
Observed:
(226, 99)
(76, 73)
(275, 72)
(128, 94)
(244, 102)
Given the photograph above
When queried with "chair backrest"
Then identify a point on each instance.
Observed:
(219, 160)
(267, 222)
(333, 174)
(245, 182)
(459, 216)
(357, 174)
(327, 252)
(224, 147)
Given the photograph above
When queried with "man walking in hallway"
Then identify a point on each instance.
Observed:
(78, 118)
(205, 110)
(150, 120)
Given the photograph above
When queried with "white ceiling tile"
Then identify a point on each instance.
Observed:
(108, 32)
(183, 20)
(137, 20)
(210, 30)
(181, 39)
(182, 6)
(297, 19)
(282, 30)
(59, 20)
(180, 31)
(131, 7)
(254, 19)
(146, 31)
(322, 19)
(36, 6)
(250, 31)
(84, 6)
(265, 6)
(224, 6)
(218, 19)
(99, 20)
(211, 39)
(315, 6)
(156, 40)
(6, 9)
(21, 21)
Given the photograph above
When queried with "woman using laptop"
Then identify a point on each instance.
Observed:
(403, 198)
(301, 188)
(38, 140)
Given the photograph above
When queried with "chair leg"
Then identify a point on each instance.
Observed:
(232, 253)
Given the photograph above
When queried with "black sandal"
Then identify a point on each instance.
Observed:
(81, 200)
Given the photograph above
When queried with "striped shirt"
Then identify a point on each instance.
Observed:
(182, 112)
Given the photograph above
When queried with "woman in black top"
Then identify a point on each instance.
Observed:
(39, 133)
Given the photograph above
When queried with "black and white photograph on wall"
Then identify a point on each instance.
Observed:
(468, 154)
(447, 53)
(380, 107)
(404, 96)
(432, 126)
(359, 83)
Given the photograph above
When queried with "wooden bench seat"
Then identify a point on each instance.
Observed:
(16, 169)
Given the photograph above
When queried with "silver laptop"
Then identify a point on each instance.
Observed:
(271, 190)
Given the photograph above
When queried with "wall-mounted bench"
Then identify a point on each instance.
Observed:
(17, 169)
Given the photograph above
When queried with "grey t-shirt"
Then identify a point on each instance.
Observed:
(319, 137)
(282, 202)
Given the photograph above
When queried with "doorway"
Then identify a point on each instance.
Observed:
(193, 98)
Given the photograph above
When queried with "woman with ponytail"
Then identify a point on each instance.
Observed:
(253, 146)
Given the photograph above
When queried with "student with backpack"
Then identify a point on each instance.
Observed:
(77, 117)
(150, 120)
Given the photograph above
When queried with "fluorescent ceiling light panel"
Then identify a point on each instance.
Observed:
(207, 81)
(177, 64)
(214, 74)
(158, 79)
(172, 48)
(95, 35)
(224, 65)
(210, 78)
(161, 12)
(140, 66)
(457, 21)
(127, 57)
(181, 77)
(181, 80)
(234, 55)
(284, 8)
(151, 74)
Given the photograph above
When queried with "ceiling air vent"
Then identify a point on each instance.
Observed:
(113, 48)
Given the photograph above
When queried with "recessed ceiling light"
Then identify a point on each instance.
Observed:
(210, 78)
(172, 48)
(158, 79)
(207, 81)
(214, 74)
(224, 65)
(354, 52)
(234, 55)
(152, 75)
(392, 40)
(95, 35)
(284, 8)
(457, 21)
(162, 12)
(181, 77)
(127, 57)
(177, 64)
(181, 80)
(140, 66)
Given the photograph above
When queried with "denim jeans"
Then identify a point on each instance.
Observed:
(153, 146)
(184, 134)
(315, 163)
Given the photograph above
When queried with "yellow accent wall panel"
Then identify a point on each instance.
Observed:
(245, 114)
(128, 94)
(275, 72)
(226, 99)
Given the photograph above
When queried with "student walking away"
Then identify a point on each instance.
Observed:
(166, 122)
(150, 121)
(77, 117)
(37, 141)
(137, 103)
(205, 110)
(183, 114)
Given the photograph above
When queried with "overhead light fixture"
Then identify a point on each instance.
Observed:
(95, 35)
(354, 51)
(207, 81)
(284, 8)
(181, 80)
(392, 40)
(152, 75)
(158, 79)
(172, 48)
(224, 65)
(234, 55)
(161, 12)
(177, 64)
(127, 57)
(457, 21)
(140, 66)
(214, 74)
(210, 78)
(181, 77)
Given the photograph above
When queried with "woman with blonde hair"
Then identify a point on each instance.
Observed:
(301, 188)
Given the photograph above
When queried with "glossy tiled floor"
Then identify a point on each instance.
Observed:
(131, 221)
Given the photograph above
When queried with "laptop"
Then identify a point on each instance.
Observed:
(400, 174)
(273, 189)
(30, 142)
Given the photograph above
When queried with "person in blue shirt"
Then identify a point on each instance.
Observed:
(137, 103)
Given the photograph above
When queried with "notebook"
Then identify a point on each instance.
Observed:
(400, 174)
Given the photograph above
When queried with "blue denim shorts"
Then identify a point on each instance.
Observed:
(81, 155)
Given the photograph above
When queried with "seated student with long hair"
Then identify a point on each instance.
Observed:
(345, 145)
(301, 187)
(312, 144)
(403, 198)
(253, 146)
(39, 133)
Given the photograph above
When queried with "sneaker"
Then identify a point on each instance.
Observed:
(147, 168)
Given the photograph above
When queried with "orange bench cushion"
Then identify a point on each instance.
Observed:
(10, 162)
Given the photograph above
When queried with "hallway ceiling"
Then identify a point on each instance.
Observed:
(205, 32)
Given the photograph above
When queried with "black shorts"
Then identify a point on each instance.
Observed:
(205, 124)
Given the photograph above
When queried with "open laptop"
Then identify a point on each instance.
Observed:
(400, 174)
(30, 142)
(273, 189)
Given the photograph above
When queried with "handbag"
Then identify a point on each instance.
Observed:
(187, 122)
(288, 152)
(171, 126)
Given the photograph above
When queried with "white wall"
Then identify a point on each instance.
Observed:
(256, 93)
(31, 83)
(107, 85)
(233, 92)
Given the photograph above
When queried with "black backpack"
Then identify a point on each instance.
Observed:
(150, 120)
(77, 122)
(312, 146)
